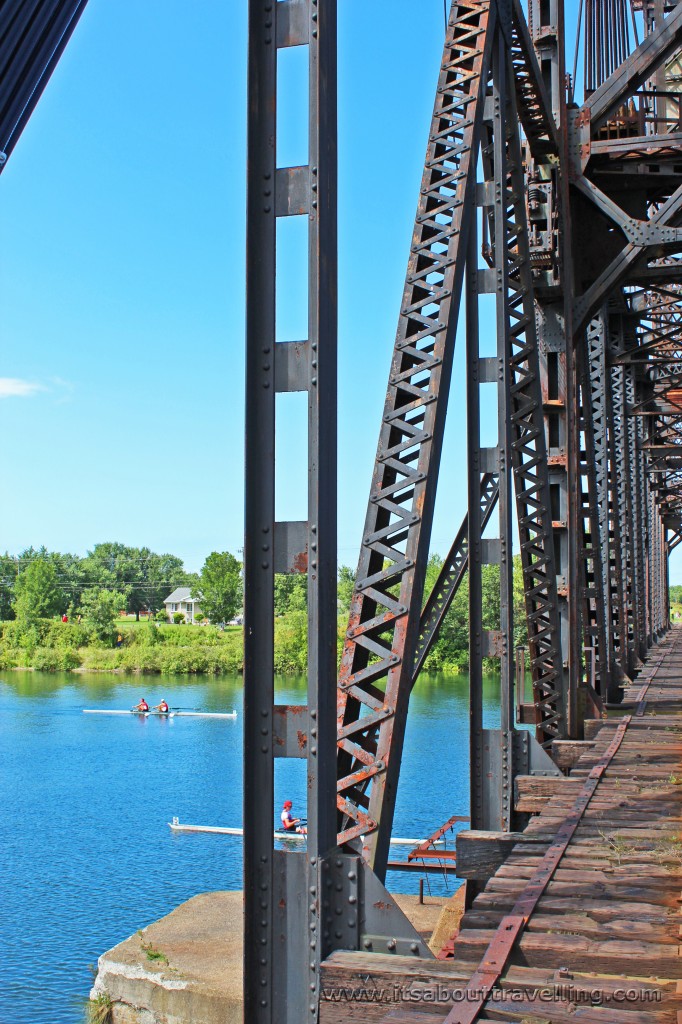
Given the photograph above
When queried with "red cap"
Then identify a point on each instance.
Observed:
(288, 803)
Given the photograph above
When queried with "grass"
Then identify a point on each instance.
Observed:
(618, 845)
(99, 1009)
(130, 622)
(152, 952)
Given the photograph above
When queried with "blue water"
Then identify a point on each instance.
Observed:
(86, 857)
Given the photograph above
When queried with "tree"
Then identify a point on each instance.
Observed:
(142, 576)
(291, 592)
(100, 608)
(37, 594)
(8, 575)
(344, 589)
(221, 586)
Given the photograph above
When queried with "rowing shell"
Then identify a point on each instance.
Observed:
(176, 826)
(163, 714)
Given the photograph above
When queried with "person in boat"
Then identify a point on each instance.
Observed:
(142, 706)
(289, 823)
(162, 707)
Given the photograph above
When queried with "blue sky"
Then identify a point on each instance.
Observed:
(122, 276)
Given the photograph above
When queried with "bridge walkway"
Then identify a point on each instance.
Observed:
(584, 934)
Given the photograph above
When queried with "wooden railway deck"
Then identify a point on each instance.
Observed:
(602, 943)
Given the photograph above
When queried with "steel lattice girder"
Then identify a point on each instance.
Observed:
(33, 35)
(379, 653)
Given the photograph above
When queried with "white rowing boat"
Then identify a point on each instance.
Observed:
(176, 826)
(163, 714)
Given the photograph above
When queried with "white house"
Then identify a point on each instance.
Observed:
(181, 600)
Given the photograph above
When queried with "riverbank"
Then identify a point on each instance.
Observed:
(152, 648)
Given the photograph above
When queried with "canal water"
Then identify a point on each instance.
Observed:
(86, 855)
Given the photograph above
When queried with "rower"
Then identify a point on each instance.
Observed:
(162, 707)
(289, 823)
(142, 706)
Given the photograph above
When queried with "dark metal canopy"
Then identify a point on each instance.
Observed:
(33, 34)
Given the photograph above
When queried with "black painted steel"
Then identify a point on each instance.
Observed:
(33, 36)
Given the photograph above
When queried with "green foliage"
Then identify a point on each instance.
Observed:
(291, 593)
(291, 643)
(99, 1009)
(221, 586)
(37, 594)
(178, 618)
(8, 574)
(55, 659)
(344, 589)
(99, 608)
(676, 593)
(161, 615)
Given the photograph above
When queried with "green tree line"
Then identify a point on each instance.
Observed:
(38, 587)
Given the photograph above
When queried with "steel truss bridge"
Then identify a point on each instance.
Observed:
(562, 215)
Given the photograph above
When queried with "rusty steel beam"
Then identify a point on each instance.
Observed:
(379, 651)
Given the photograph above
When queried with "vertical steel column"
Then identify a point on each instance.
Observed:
(283, 930)
(620, 471)
(597, 614)
(529, 448)
(559, 382)
(259, 518)
(616, 511)
(637, 549)
(491, 768)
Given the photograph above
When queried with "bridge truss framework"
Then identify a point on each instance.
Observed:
(564, 218)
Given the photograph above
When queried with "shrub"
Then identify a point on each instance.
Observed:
(178, 618)
(13, 657)
(161, 615)
(100, 659)
(141, 658)
(51, 659)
